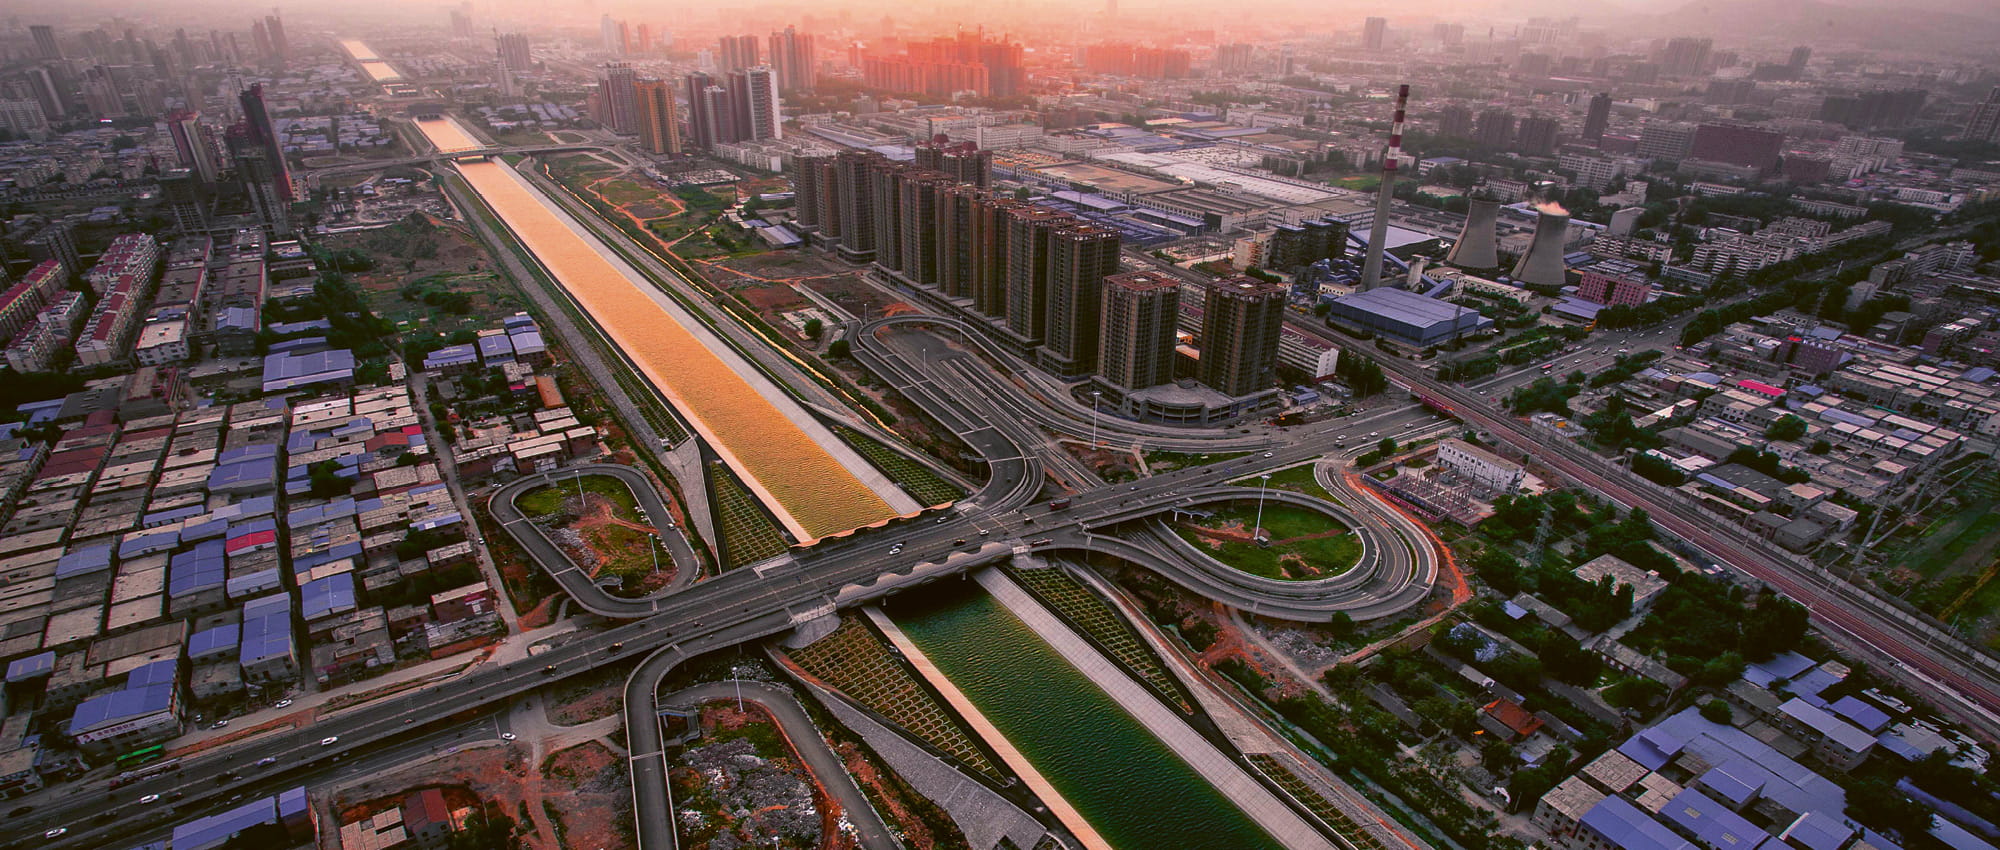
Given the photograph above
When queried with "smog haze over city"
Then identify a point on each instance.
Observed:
(1084, 425)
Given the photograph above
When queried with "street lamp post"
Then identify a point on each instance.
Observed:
(1263, 481)
(1094, 396)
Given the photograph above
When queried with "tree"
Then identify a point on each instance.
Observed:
(1776, 625)
(1653, 468)
(837, 349)
(1788, 427)
(1819, 447)
(486, 830)
(1880, 804)
(1386, 447)
(813, 328)
(1717, 711)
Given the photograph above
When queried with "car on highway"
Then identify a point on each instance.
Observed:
(329, 740)
(150, 798)
(220, 724)
(58, 832)
(267, 761)
(1268, 454)
(283, 703)
(507, 736)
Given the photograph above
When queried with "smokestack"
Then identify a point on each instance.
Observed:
(1543, 263)
(1378, 233)
(1476, 248)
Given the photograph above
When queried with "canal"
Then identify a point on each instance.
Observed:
(1137, 793)
(815, 484)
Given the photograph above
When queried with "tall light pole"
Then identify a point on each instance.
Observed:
(1094, 396)
(1264, 481)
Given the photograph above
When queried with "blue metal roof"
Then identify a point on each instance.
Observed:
(120, 706)
(1816, 830)
(88, 559)
(326, 596)
(215, 830)
(1736, 781)
(253, 452)
(202, 568)
(1832, 728)
(1764, 674)
(1628, 827)
(255, 473)
(451, 355)
(1712, 823)
(1813, 682)
(267, 629)
(147, 543)
(165, 671)
(251, 584)
(1860, 713)
(221, 640)
(39, 664)
(159, 518)
(1792, 785)
(495, 347)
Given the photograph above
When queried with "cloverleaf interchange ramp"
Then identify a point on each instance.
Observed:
(813, 483)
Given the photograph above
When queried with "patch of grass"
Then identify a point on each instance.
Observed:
(540, 503)
(1322, 557)
(1280, 521)
(748, 534)
(1298, 479)
(1942, 550)
(762, 735)
(926, 486)
(1160, 461)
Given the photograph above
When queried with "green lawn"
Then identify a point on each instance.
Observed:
(1942, 546)
(1298, 479)
(1160, 461)
(1280, 521)
(1324, 558)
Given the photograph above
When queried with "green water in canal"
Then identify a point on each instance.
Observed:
(1136, 792)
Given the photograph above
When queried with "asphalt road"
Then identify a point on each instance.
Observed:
(679, 554)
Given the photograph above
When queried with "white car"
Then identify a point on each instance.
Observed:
(267, 761)
(150, 798)
(283, 703)
(55, 833)
(507, 736)
(1267, 454)
(329, 741)
(220, 724)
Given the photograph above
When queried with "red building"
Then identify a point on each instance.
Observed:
(1738, 145)
(1600, 288)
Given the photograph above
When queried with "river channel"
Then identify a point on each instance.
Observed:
(1136, 792)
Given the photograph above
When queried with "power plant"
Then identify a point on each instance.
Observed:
(1543, 262)
(1378, 232)
(1477, 248)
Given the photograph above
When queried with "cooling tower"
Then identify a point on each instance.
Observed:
(1543, 263)
(1476, 249)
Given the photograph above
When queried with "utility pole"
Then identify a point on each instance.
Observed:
(1264, 482)
(1094, 397)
